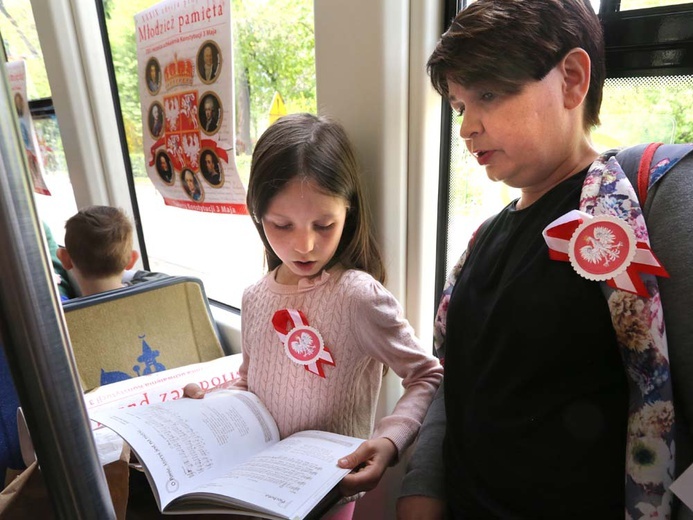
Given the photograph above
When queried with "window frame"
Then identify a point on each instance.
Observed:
(101, 14)
(657, 41)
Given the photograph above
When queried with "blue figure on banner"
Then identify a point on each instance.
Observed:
(148, 357)
(113, 377)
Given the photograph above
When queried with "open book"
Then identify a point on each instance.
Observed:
(157, 387)
(222, 454)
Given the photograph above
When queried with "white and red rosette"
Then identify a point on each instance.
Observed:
(303, 344)
(602, 248)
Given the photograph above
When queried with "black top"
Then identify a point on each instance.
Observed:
(535, 390)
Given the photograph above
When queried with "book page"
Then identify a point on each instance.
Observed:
(158, 387)
(187, 442)
(167, 385)
(287, 479)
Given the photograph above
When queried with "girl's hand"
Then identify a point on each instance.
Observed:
(194, 391)
(368, 463)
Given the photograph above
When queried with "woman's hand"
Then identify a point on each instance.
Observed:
(368, 463)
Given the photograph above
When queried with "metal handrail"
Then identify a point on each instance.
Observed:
(34, 336)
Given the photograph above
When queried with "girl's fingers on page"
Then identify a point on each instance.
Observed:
(356, 457)
(193, 390)
(368, 463)
(365, 478)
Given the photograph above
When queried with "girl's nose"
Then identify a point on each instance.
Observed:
(304, 242)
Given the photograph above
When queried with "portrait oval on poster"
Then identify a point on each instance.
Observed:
(152, 76)
(210, 113)
(156, 119)
(211, 168)
(209, 61)
(164, 167)
(191, 185)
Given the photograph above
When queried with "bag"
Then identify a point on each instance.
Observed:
(662, 176)
(27, 496)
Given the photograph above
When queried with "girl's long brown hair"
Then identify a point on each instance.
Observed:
(316, 149)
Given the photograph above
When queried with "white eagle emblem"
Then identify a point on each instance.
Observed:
(304, 345)
(602, 247)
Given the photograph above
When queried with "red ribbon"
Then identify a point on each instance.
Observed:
(299, 340)
(560, 231)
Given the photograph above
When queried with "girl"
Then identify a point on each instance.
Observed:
(324, 289)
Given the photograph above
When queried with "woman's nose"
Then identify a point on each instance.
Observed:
(470, 126)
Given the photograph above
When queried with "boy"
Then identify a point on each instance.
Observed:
(98, 248)
(533, 421)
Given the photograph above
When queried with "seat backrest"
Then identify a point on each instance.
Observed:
(145, 328)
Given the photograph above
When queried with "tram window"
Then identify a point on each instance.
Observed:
(60, 205)
(21, 42)
(627, 5)
(274, 51)
(646, 109)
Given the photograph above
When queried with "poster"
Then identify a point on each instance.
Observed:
(184, 57)
(16, 72)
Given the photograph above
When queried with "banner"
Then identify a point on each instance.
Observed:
(184, 56)
(16, 72)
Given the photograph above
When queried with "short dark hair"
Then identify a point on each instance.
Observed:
(99, 240)
(508, 43)
(317, 149)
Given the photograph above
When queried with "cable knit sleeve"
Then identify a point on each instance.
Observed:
(386, 336)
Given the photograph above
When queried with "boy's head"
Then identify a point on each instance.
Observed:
(508, 43)
(98, 242)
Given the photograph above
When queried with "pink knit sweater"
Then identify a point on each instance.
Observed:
(362, 325)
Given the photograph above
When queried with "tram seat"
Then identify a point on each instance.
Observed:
(144, 328)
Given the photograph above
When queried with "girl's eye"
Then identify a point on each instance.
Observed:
(488, 96)
(281, 227)
(325, 227)
(459, 111)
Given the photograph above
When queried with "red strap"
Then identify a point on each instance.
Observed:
(644, 171)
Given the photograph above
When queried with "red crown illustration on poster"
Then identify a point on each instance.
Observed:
(179, 72)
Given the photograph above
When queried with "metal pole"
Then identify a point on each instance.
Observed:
(33, 333)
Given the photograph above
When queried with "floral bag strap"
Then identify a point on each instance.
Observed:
(626, 269)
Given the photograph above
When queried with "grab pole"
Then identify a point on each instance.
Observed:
(34, 336)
